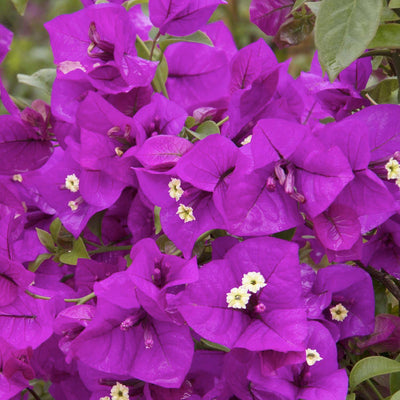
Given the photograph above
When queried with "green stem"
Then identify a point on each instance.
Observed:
(371, 53)
(153, 46)
(37, 296)
(81, 300)
(222, 121)
(396, 65)
(91, 243)
(110, 248)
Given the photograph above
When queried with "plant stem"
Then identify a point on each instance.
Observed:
(37, 296)
(110, 248)
(81, 300)
(222, 121)
(376, 391)
(371, 53)
(153, 46)
(33, 393)
(382, 277)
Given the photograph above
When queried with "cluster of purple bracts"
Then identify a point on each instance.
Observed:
(250, 322)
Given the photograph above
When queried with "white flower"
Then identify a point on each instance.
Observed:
(175, 190)
(72, 183)
(73, 205)
(339, 312)
(17, 178)
(247, 140)
(237, 297)
(312, 356)
(105, 398)
(119, 392)
(393, 169)
(253, 281)
(185, 213)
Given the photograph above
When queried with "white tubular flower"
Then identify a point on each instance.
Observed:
(72, 183)
(393, 169)
(339, 312)
(247, 140)
(185, 213)
(119, 392)
(175, 190)
(237, 297)
(312, 356)
(253, 282)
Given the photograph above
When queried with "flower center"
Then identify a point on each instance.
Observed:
(185, 213)
(339, 312)
(175, 190)
(312, 356)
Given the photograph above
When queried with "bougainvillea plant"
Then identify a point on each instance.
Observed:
(187, 220)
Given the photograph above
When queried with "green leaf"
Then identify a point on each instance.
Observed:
(372, 366)
(95, 224)
(157, 223)
(395, 380)
(34, 265)
(343, 30)
(42, 79)
(46, 240)
(285, 235)
(190, 122)
(384, 92)
(314, 7)
(387, 36)
(55, 228)
(396, 396)
(78, 251)
(351, 396)
(20, 5)
(205, 129)
(214, 346)
(380, 298)
(394, 4)
(376, 62)
(197, 37)
(388, 15)
(298, 4)
(143, 49)
(131, 3)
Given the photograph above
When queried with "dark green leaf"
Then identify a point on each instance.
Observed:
(42, 79)
(197, 37)
(384, 91)
(372, 366)
(351, 396)
(387, 36)
(34, 265)
(395, 379)
(294, 31)
(343, 30)
(20, 5)
(46, 240)
(78, 251)
(95, 224)
(214, 346)
(157, 223)
(286, 235)
(380, 298)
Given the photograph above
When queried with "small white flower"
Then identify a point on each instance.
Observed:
(105, 398)
(119, 152)
(72, 183)
(17, 178)
(253, 282)
(73, 205)
(312, 356)
(175, 190)
(119, 392)
(185, 213)
(247, 140)
(237, 297)
(393, 169)
(339, 312)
